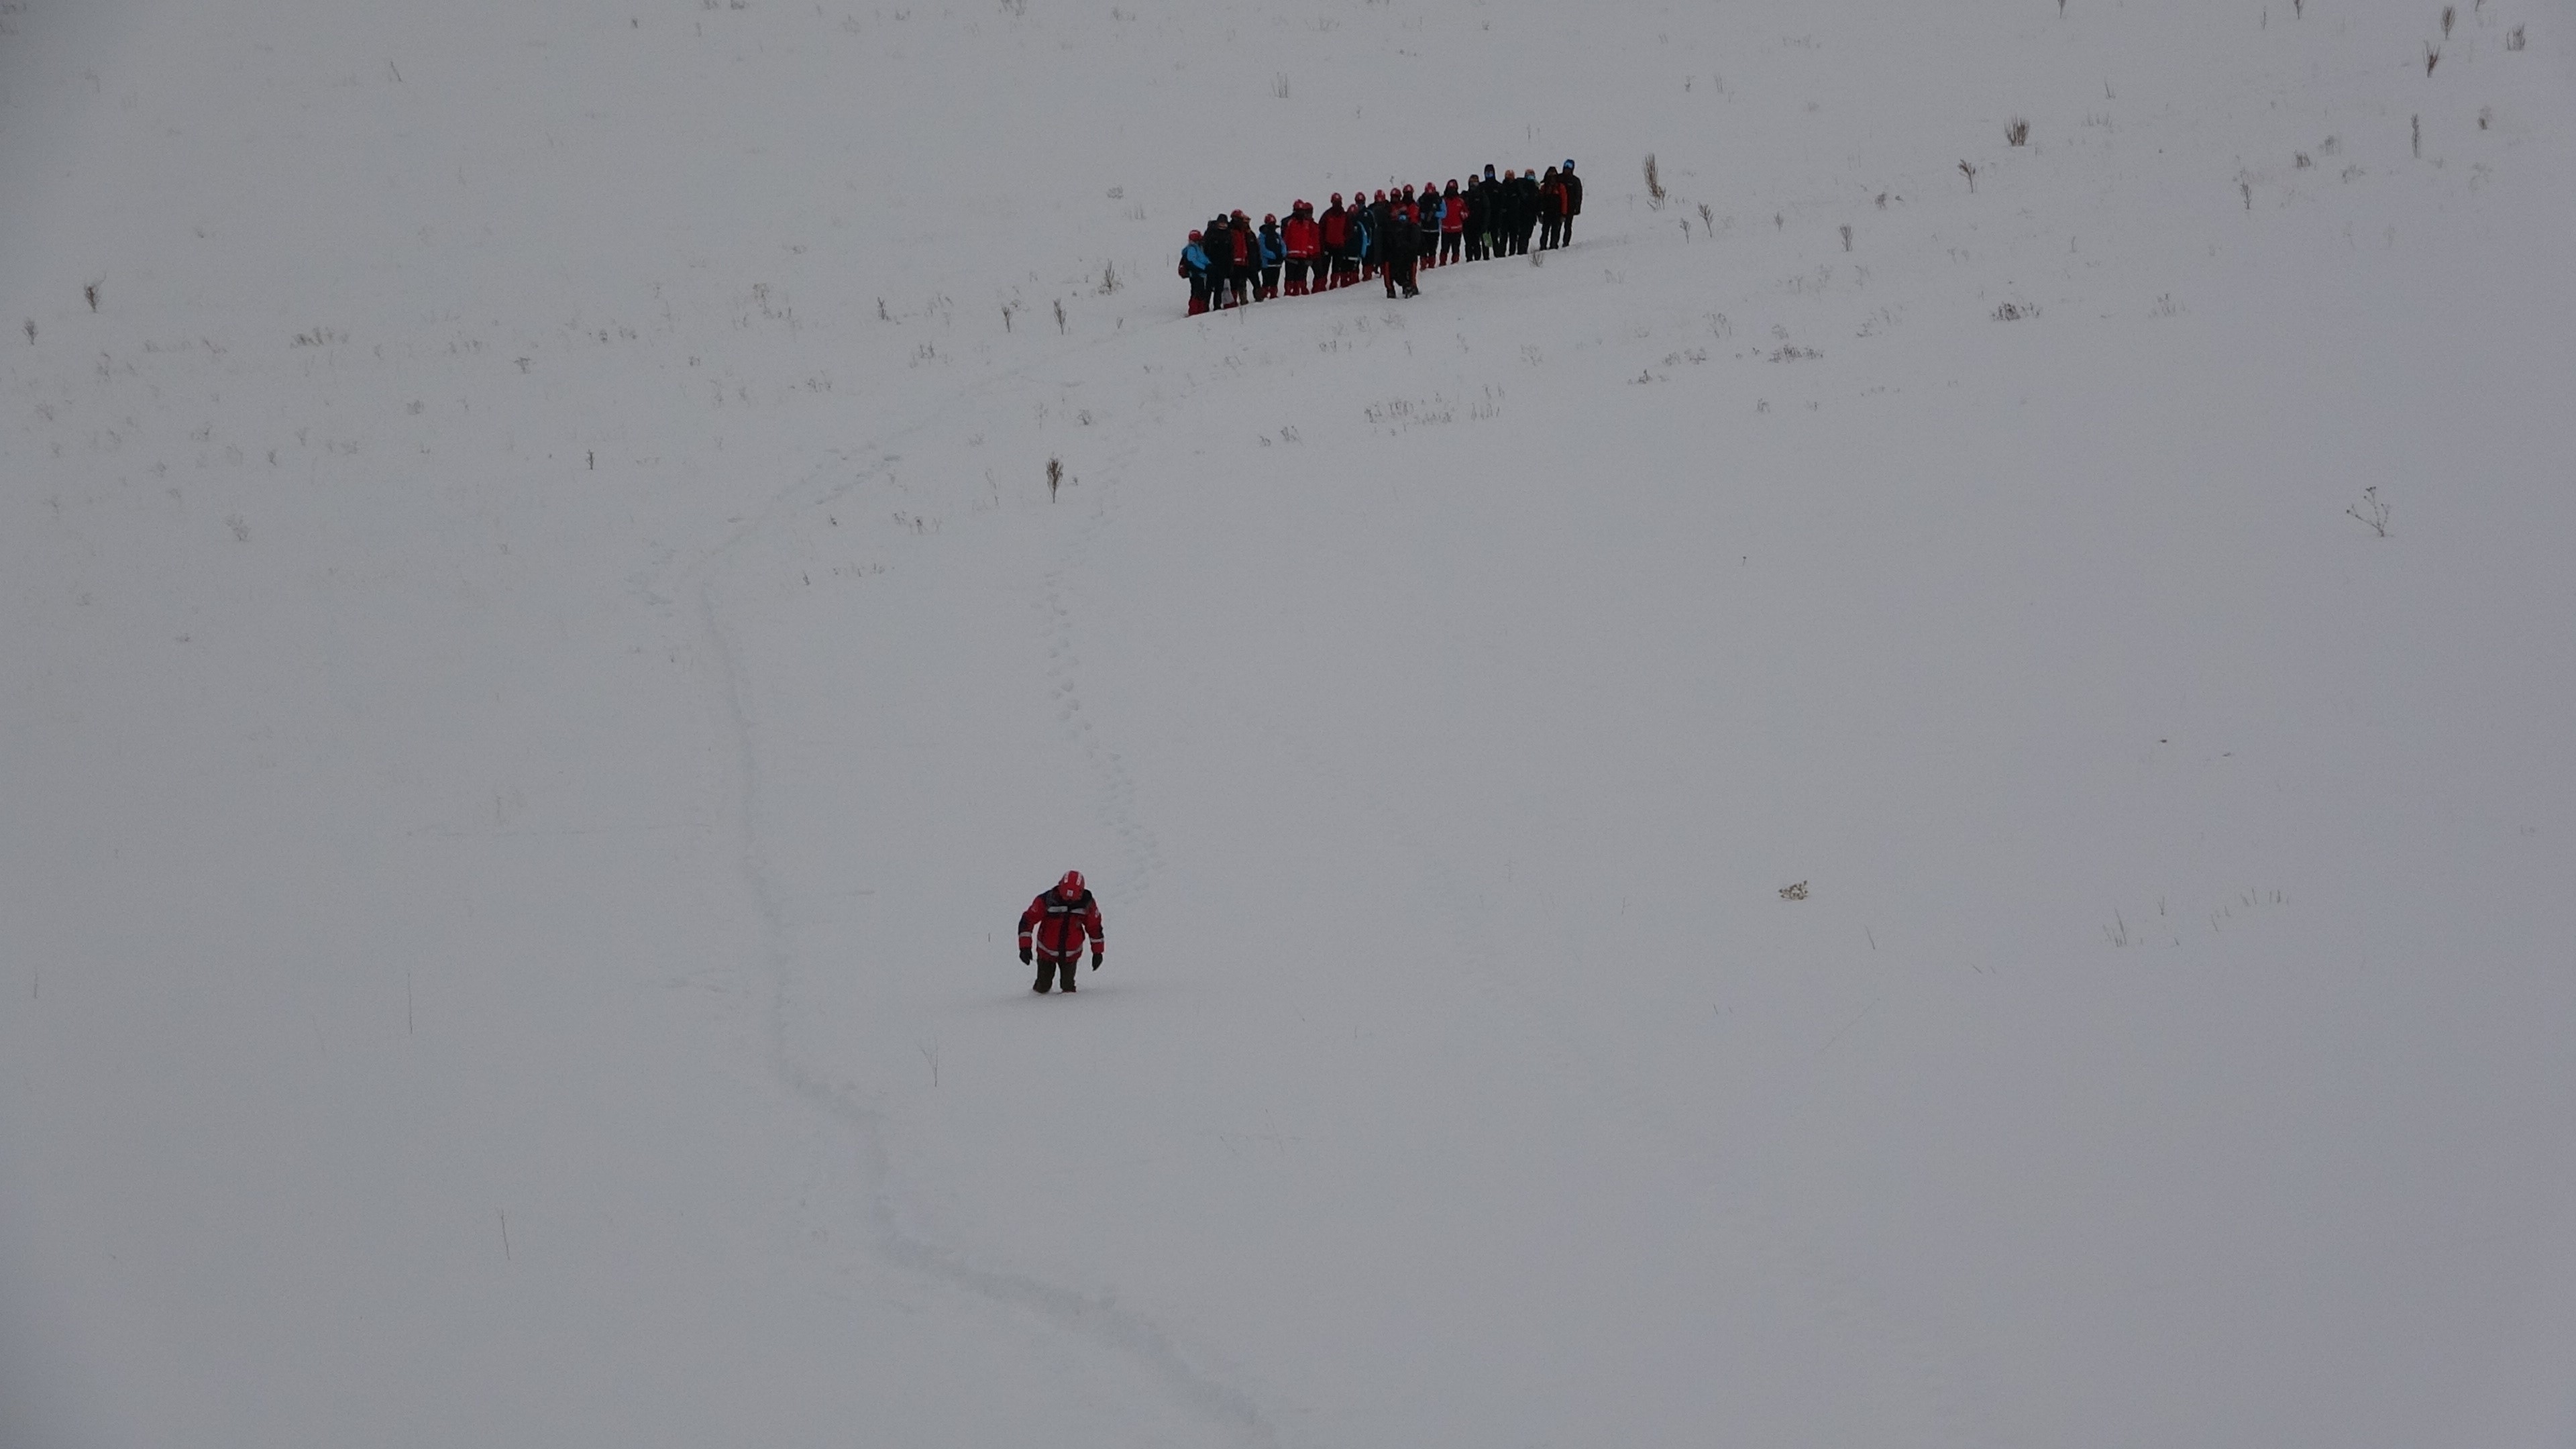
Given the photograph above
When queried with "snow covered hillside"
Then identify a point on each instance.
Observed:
(1916, 796)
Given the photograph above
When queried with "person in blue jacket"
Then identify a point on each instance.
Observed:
(1194, 266)
(1274, 254)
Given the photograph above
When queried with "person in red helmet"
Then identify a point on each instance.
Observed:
(1303, 241)
(1058, 920)
(1194, 270)
(1274, 252)
(1342, 242)
(1247, 259)
(1402, 238)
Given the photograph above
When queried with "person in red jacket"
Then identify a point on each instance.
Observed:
(1305, 243)
(1341, 265)
(1060, 918)
(1247, 260)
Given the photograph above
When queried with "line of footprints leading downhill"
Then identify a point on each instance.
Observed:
(1115, 805)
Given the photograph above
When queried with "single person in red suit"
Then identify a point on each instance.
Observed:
(1058, 920)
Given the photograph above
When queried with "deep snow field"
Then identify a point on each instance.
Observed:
(540, 666)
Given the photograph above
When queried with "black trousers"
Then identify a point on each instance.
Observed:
(1050, 966)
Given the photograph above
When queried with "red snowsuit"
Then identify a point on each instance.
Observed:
(1060, 925)
(1305, 243)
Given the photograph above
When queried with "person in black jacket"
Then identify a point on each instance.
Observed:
(1573, 202)
(1219, 242)
(1403, 248)
(1481, 201)
(1524, 211)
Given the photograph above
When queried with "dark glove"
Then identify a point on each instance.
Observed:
(1025, 957)
(1095, 960)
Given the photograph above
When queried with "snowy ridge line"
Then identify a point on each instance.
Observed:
(1098, 1318)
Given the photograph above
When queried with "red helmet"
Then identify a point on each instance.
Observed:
(1269, 217)
(1071, 885)
(1194, 236)
(1337, 198)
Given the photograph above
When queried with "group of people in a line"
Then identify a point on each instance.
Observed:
(1390, 236)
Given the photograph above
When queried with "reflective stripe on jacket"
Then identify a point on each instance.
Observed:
(1061, 924)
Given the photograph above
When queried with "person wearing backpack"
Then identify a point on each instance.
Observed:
(1194, 269)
